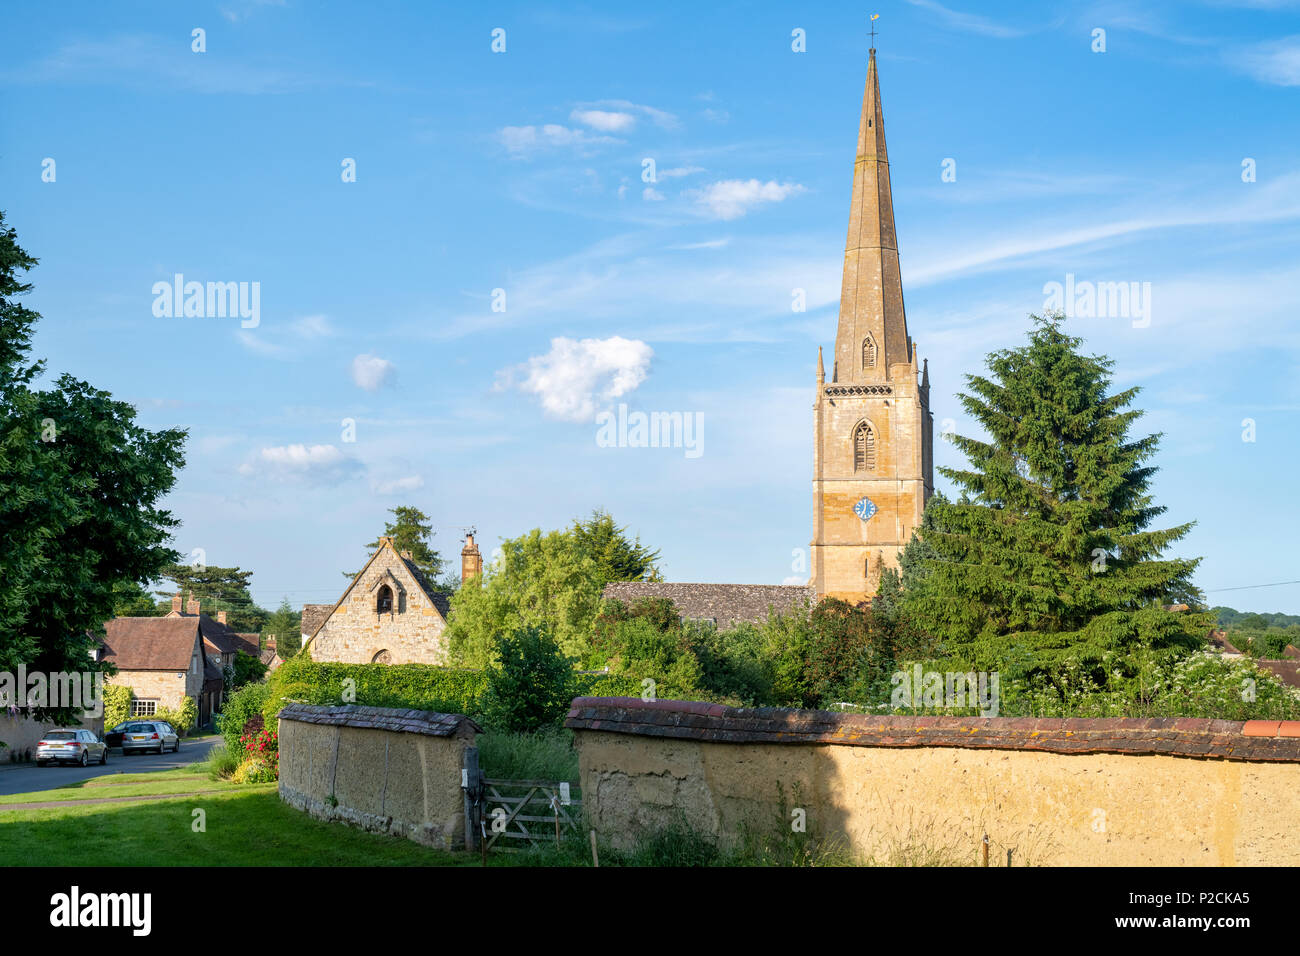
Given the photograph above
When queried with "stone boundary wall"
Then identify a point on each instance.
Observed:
(381, 769)
(1106, 792)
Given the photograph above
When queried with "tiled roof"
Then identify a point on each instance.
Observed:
(425, 722)
(313, 615)
(724, 603)
(1253, 740)
(1288, 671)
(250, 644)
(150, 643)
(439, 599)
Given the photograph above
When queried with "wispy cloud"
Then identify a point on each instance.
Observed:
(527, 141)
(1276, 201)
(1276, 62)
(396, 486)
(968, 22)
(147, 61)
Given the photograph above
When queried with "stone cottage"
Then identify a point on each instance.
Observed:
(389, 614)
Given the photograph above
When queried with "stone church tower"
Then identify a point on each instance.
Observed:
(873, 449)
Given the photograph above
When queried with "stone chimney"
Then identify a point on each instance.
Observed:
(176, 603)
(270, 642)
(471, 562)
(192, 607)
(221, 617)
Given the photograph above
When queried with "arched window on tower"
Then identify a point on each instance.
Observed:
(864, 448)
(868, 352)
(384, 602)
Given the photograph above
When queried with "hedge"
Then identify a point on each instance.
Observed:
(447, 690)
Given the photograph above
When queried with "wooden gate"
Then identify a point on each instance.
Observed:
(522, 813)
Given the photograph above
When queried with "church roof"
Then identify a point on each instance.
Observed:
(724, 604)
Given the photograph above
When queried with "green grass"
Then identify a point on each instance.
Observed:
(545, 755)
(122, 785)
(245, 826)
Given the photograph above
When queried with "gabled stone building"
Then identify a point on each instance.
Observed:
(389, 614)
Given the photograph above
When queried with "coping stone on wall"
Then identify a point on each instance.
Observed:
(1251, 740)
(426, 722)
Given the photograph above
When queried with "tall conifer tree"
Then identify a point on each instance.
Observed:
(1048, 555)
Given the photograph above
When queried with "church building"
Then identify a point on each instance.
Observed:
(873, 434)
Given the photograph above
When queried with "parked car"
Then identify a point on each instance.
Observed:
(70, 746)
(114, 737)
(141, 736)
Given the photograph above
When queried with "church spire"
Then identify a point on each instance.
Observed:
(872, 332)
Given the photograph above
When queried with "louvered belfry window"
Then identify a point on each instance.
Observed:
(864, 448)
(868, 352)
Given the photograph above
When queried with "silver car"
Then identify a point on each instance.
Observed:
(142, 736)
(70, 746)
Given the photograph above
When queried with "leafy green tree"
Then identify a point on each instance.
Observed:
(80, 490)
(132, 600)
(245, 670)
(531, 684)
(616, 557)
(542, 580)
(285, 624)
(1049, 556)
(218, 589)
(411, 530)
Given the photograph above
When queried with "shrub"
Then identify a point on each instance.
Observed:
(261, 762)
(222, 763)
(117, 705)
(256, 770)
(243, 704)
(183, 718)
(532, 683)
(413, 686)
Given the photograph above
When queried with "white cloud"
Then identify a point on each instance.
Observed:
(732, 198)
(676, 171)
(659, 117)
(397, 485)
(371, 372)
(604, 120)
(650, 194)
(1276, 62)
(575, 375)
(312, 464)
(527, 140)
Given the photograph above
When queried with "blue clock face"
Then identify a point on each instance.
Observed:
(865, 508)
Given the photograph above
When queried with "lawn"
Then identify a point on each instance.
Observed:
(245, 826)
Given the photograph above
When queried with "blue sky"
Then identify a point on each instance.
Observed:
(522, 171)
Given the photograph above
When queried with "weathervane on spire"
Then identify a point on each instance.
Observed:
(874, 18)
